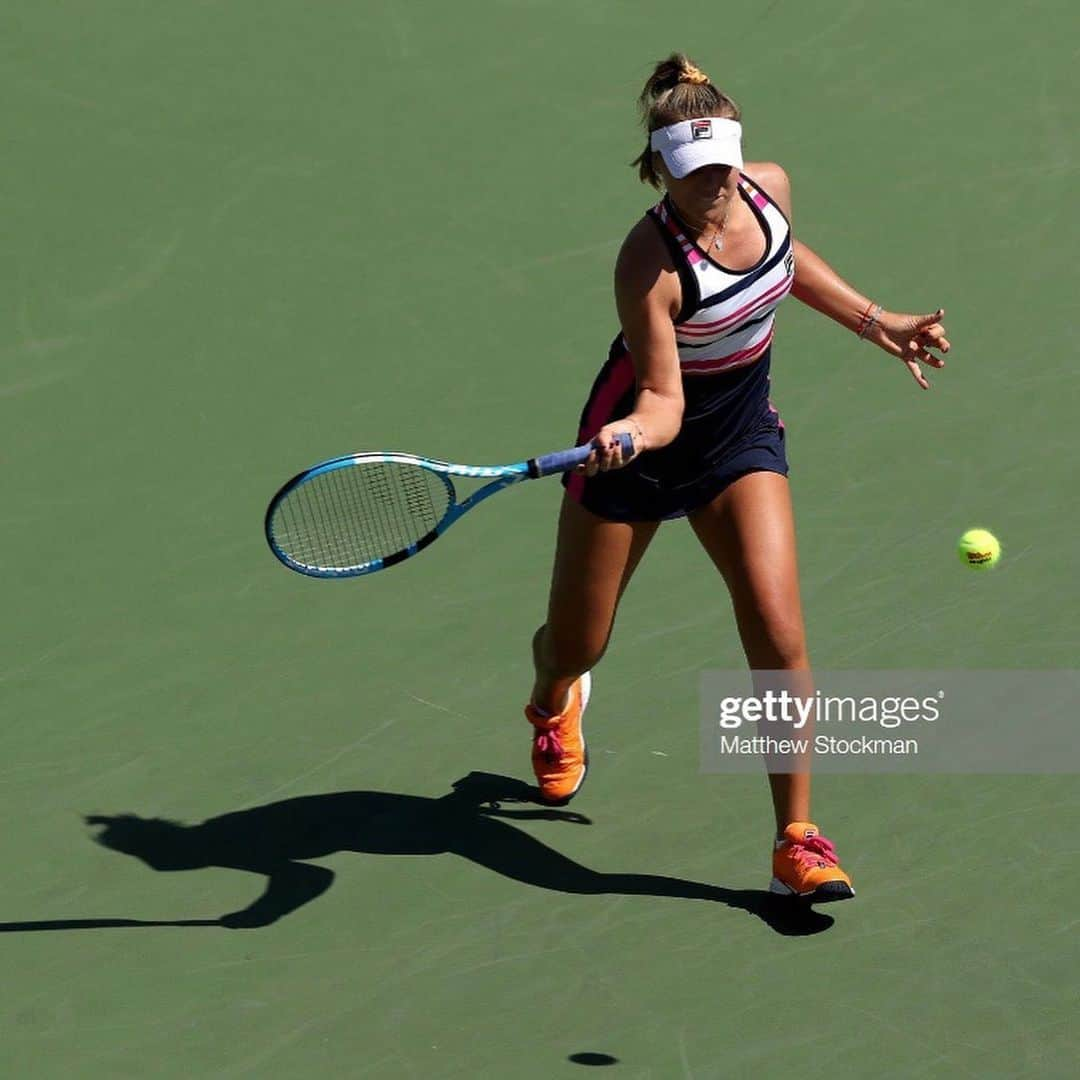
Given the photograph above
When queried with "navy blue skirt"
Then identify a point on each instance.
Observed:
(729, 429)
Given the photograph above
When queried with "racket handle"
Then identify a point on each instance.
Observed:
(565, 460)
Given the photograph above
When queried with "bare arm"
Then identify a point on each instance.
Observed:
(647, 296)
(819, 286)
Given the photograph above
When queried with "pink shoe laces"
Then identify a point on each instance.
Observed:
(549, 744)
(547, 741)
(813, 849)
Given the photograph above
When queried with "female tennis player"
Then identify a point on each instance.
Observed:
(697, 282)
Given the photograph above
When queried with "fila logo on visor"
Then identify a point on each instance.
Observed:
(701, 129)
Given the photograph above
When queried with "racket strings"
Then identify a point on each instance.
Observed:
(352, 516)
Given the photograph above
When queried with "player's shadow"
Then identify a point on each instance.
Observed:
(470, 821)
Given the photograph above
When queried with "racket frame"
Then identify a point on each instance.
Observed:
(500, 476)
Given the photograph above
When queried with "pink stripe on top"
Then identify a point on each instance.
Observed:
(725, 363)
(709, 329)
(730, 312)
(759, 200)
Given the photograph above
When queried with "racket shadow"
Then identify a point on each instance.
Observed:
(474, 821)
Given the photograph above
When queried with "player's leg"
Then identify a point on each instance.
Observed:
(749, 533)
(594, 560)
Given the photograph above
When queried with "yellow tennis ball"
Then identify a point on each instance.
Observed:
(979, 549)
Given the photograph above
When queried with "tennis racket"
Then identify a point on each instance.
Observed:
(357, 514)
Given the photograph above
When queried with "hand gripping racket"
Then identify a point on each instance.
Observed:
(357, 514)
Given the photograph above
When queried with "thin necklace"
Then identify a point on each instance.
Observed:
(717, 241)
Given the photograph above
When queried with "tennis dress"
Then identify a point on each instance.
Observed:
(724, 333)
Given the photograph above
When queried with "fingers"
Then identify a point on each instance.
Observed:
(920, 352)
(607, 452)
(916, 374)
(915, 355)
(589, 466)
(600, 460)
(928, 334)
(912, 337)
(933, 337)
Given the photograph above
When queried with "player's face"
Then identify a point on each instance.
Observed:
(704, 191)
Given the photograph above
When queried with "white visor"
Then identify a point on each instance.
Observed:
(688, 145)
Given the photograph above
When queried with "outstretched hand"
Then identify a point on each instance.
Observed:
(910, 338)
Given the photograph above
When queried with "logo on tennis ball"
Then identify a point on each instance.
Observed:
(979, 549)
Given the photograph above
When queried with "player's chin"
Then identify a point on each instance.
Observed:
(708, 201)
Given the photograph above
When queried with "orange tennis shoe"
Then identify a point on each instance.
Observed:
(560, 758)
(805, 865)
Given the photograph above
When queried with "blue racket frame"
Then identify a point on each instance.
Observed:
(501, 476)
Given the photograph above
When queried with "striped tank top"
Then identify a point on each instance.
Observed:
(726, 321)
(723, 333)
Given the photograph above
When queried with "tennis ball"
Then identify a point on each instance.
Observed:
(979, 549)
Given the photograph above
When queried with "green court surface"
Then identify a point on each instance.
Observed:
(240, 237)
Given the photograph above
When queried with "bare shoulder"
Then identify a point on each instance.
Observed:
(643, 250)
(643, 257)
(645, 273)
(773, 180)
(769, 174)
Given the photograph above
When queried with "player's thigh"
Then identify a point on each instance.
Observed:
(748, 531)
(594, 561)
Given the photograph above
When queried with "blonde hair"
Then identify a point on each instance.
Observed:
(677, 90)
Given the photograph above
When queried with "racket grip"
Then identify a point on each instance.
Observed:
(565, 460)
